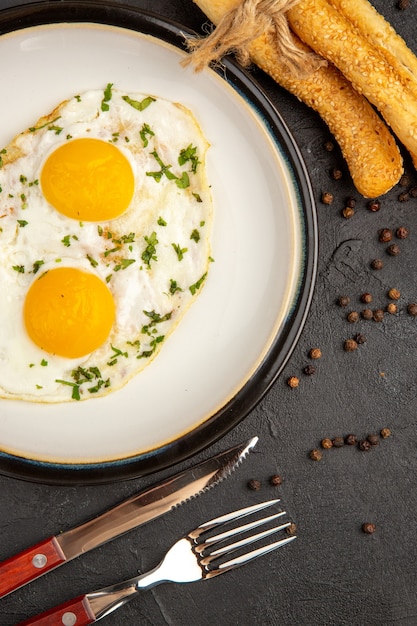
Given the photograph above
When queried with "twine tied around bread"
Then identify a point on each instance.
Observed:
(241, 26)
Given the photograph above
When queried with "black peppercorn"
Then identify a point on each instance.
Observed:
(412, 309)
(348, 212)
(413, 192)
(254, 484)
(367, 314)
(393, 249)
(394, 294)
(373, 439)
(391, 308)
(309, 370)
(402, 232)
(404, 180)
(353, 317)
(276, 480)
(385, 235)
(364, 445)
(316, 455)
(350, 440)
(368, 528)
(351, 202)
(366, 298)
(293, 382)
(350, 345)
(360, 339)
(404, 196)
(315, 353)
(374, 205)
(343, 301)
(378, 315)
(385, 433)
(326, 443)
(377, 264)
(335, 173)
(291, 529)
(329, 146)
(327, 197)
(338, 442)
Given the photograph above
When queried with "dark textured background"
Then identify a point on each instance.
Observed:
(333, 574)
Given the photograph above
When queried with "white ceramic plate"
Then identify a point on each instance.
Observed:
(239, 332)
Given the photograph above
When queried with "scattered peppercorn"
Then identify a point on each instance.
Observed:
(393, 249)
(309, 370)
(412, 309)
(327, 197)
(254, 484)
(276, 480)
(394, 294)
(348, 212)
(350, 345)
(351, 202)
(404, 180)
(343, 301)
(402, 232)
(364, 445)
(413, 192)
(391, 308)
(373, 439)
(374, 205)
(353, 317)
(385, 235)
(366, 298)
(329, 146)
(338, 442)
(385, 433)
(404, 196)
(377, 264)
(378, 315)
(326, 443)
(367, 314)
(316, 455)
(293, 382)
(315, 353)
(335, 173)
(350, 440)
(368, 528)
(291, 529)
(360, 339)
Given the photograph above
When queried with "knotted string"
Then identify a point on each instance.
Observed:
(242, 25)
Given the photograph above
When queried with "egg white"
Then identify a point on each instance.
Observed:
(150, 298)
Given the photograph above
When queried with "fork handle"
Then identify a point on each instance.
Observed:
(76, 612)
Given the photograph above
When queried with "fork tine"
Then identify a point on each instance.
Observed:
(231, 547)
(229, 517)
(249, 556)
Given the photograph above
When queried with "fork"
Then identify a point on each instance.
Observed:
(196, 556)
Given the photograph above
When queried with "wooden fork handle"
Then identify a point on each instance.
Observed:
(76, 612)
(29, 565)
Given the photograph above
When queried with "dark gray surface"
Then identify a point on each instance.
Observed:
(333, 574)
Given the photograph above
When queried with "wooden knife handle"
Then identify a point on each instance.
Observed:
(29, 565)
(76, 612)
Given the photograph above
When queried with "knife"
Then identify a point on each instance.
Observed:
(137, 510)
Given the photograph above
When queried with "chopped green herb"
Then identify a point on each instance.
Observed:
(183, 182)
(33, 129)
(39, 387)
(149, 254)
(58, 129)
(179, 251)
(108, 252)
(161, 221)
(194, 288)
(173, 286)
(195, 235)
(77, 98)
(145, 132)
(100, 230)
(139, 105)
(66, 241)
(107, 97)
(93, 262)
(126, 262)
(23, 179)
(37, 265)
(44, 363)
(189, 154)
(4, 151)
(154, 343)
(34, 182)
(19, 268)
(22, 223)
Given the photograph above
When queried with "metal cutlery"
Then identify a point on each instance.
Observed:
(197, 556)
(131, 513)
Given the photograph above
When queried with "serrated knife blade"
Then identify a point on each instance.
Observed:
(135, 511)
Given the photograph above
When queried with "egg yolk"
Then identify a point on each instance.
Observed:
(69, 312)
(88, 180)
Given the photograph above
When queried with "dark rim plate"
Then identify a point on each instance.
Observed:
(235, 409)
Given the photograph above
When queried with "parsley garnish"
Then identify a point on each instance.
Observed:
(22, 223)
(33, 129)
(189, 154)
(146, 130)
(107, 97)
(194, 288)
(139, 105)
(154, 343)
(182, 182)
(180, 251)
(19, 268)
(195, 235)
(173, 286)
(161, 221)
(93, 262)
(149, 254)
(37, 265)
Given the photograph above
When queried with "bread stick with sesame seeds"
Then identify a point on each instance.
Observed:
(331, 34)
(370, 151)
(381, 35)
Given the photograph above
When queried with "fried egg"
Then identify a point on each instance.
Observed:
(105, 220)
